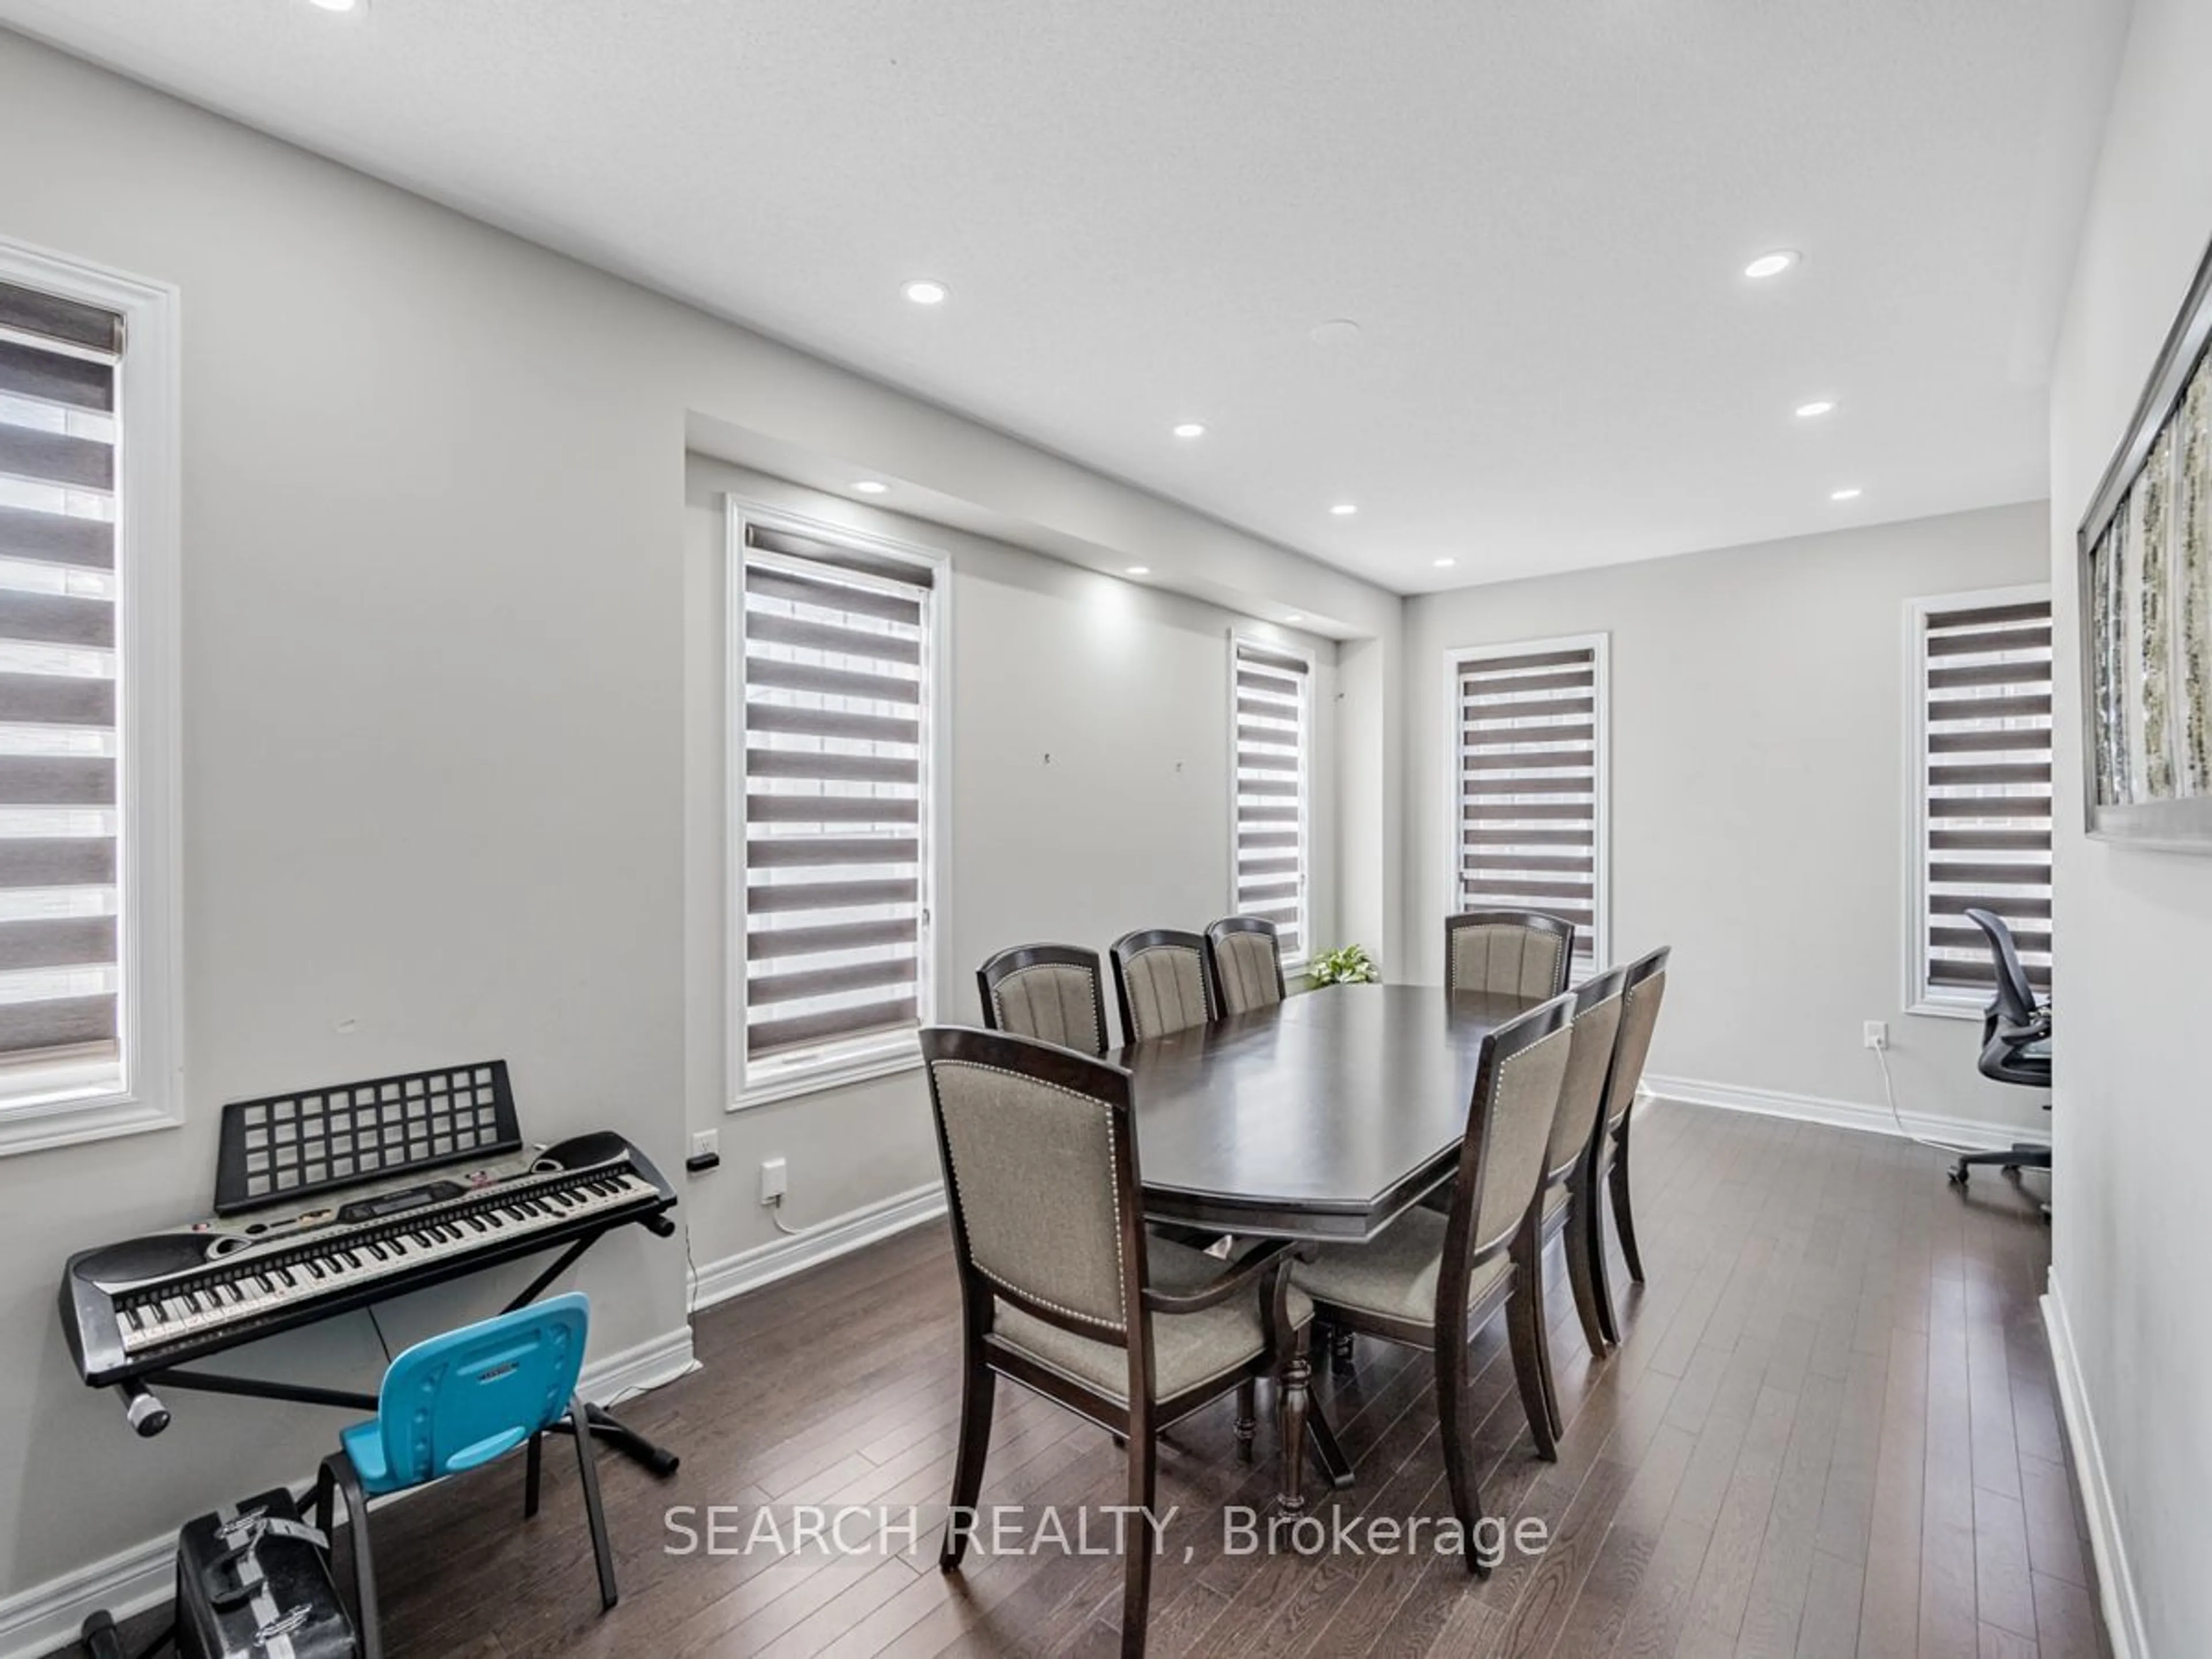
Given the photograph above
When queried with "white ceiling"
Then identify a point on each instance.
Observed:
(1537, 210)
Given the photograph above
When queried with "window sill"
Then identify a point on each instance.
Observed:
(838, 1074)
(66, 1123)
(1948, 1010)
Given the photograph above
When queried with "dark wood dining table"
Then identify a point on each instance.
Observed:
(1322, 1117)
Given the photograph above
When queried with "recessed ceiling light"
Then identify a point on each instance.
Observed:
(1344, 509)
(1850, 493)
(1445, 564)
(1140, 570)
(925, 291)
(1190, 429)
(1818, 407)
(1295, 616)
(1334, 331)
(871, 487)
(336, 5)
(1771, 264)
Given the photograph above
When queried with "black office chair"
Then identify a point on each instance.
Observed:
(2015, 1044)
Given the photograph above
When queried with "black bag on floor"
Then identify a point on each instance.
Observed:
(253, 1581)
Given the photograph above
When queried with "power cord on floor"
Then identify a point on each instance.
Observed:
(1889, 1094)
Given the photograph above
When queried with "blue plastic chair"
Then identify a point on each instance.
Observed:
(455, 1402)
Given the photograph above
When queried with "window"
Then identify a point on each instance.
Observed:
(833, 739)
(88, 704)
(1528, 754)
(1273, 690)
(1980, 753)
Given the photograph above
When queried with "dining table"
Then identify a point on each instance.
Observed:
(1319, 1119)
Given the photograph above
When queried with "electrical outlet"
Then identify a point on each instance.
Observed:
(775, 1177)
(706, 1143)
(1877, 1034)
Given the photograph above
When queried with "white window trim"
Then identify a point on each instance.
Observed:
(1600, 648)
(1918, 997)
(1258, 641)
(744, 1086)
(149, 896)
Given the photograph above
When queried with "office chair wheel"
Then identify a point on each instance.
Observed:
(1959, 1173)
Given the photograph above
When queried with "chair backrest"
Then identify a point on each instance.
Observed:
(1644, 990)
(2015, 997)
(1509, 1129)
(461, 1398)
(1248, 963)
(1522, 953)
(1163, 981)
(1599, 1003)
(1054, 992)
(1041, 1174)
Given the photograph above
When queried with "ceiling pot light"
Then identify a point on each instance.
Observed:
(871, 487)
(1771, 264)
(1445, 564)
(1333, 331)
(1344, 509)
(1817, 408)
(1295, 616)
(926, 291)
(1140, 570)
(335, 5)
(1190, 429)
(1850, 493)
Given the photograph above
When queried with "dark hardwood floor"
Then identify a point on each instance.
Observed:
(1831, 1430)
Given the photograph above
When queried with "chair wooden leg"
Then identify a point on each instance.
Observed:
(587, 1466)
(1591, 1226)
(1340, 1352)
(1290, 1429)
(1524, 1330)
(978, 1388)
(1452, 1428)
(1624, 1215)
(1248, 1413)
(1137, 1541)
(1580, 1277)
(533, 1467)
(348, 1480)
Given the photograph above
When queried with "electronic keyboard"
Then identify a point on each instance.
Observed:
(150, 1304)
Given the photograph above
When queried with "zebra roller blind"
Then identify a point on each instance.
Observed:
(1985, 691)
(1531, 776)
(835, 666)
(1274, 748)
(60, 743)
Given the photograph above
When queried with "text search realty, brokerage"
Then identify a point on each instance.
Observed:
(1108, 1529)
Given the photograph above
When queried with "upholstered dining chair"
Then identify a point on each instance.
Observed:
(1522, 953)
(1163, 981)
(1568, 1192)
(1643, 988)
(1054, 992)
(1432, 1281)
(1063, 1292)
(1246, 963)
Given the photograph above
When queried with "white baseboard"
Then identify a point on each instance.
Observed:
(1840, 1114)
(37, 1620)
(2116, 1584)
(779, 1258)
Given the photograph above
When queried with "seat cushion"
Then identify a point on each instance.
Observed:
(1394, 1274)
(1188, 1349)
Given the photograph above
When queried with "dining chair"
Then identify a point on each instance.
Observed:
(1163, 981)
(1054, 992)
(1063, 1292)
(1568, 1191)
(1246, 963)
(1643, 989)
(455, 1401)
(1431, 1280)
(1522, 953)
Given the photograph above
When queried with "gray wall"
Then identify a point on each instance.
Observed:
(2134, 1135)
(1758, 795)
(434, 658)
(1125, 687)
